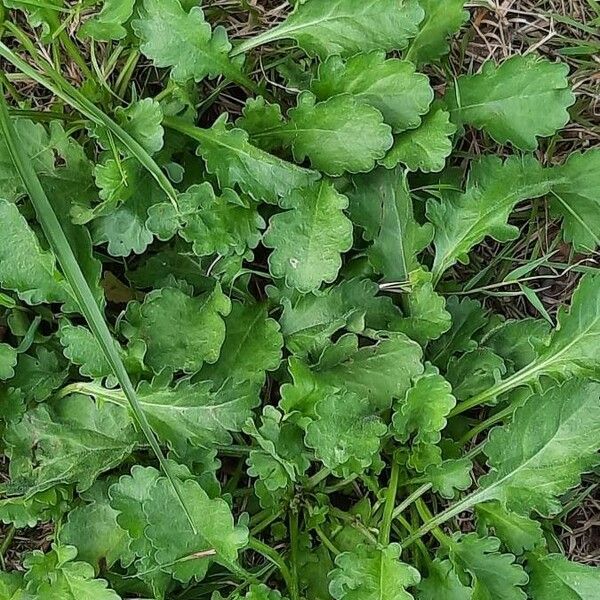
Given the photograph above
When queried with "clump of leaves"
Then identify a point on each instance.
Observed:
(237, 357)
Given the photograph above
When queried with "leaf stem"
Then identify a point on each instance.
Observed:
(410, 499)
(294, 533)
(390, 500)
(273, 556)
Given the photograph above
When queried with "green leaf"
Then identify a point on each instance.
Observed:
(181, 332)
(142, 120)
(74, 445)
(37, 376)
(345, 27)
(257, 592)
(28, 512)
(82, 349)
(128, 192)
(442, 19)
(309, 238)
(171, 534)
(380, 203)
(308, 321)
(493, 189)
(189, 412)
(554, 576)
(282, 457)
(379, 373)
(467, 318)
(425, 148)
(421, 414)
(56, 576)
(259, 117)
(93, 529)
(533, 460)
(213, 225)
(337, 135)
(24, 267)
(494, 575)
(346, 434)
(449, 477)
(443, 583)
(252, 346)
(572, 348)
(236, 162)
(172, 37)
(426, 315)
(474, 372)
(107, 24)
(392, 86)
(506, 100)
(577, 200)
(518, 533)
(8, 360)
(10, 584)
(370, 573)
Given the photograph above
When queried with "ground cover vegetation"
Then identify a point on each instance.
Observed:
(274, 309)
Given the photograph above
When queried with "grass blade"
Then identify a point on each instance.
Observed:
(83, 294)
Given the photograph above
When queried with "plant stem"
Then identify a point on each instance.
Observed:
(272, 555)
(495, 418)
(6, 542)
(410, 499)
(390, 501)
(293, 519)
(83, 294)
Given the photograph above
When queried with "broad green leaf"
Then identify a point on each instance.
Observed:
(93, 529)
(577, 200)
(213, 225)
(380, 372)
(426, 315)
(346, 434)
(381, 205)
(421, 415)
(371, 573)
(38, 374)
(142, 120)
(392, 86)
(450, 476)
(519, 342)
(8, 360)
(10, 584)
(260, 117)
(172, 37)
(517, 533)
(308, 321)
(494, 575)
(127, 191)
(107, 24)
(337, 135)
(345, 27)
(252, 346)
(25, 267)
(74, 445)
(573, 346)
(236, 162)
(82, 349)
(171, 534)
(28, 512)
(442, 19)
(553, 576)
(467, 318)
(57, 576)
(281, 457)
(181, 332)
(524, 98)
(189, 412)
(474, 372)
(425, 148)
(493, 189)
(535, 460)
(309, 238)
(443, 583)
